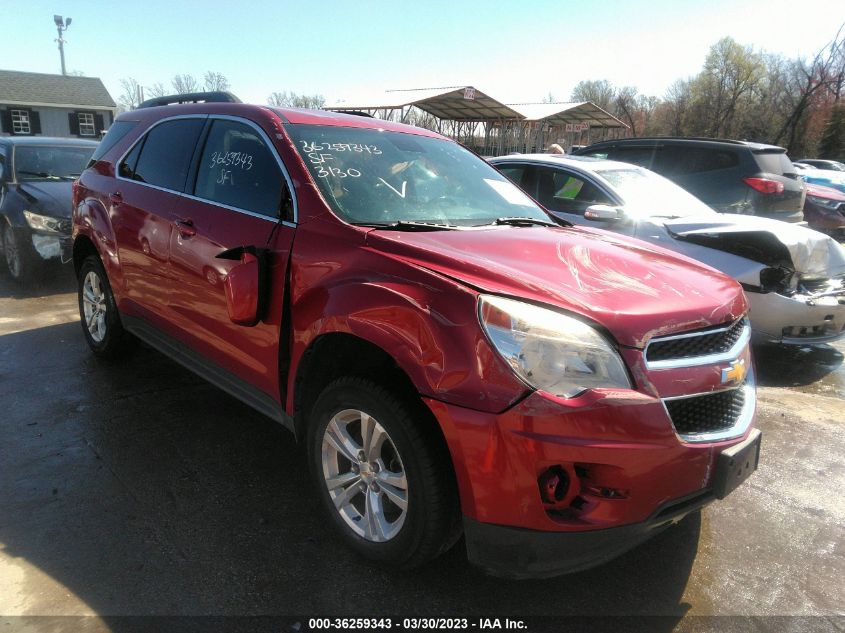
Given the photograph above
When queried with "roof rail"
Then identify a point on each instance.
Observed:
(355, 113)
(191, 97)
(675, 138)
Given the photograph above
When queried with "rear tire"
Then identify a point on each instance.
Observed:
(98, 311)
(387, 486)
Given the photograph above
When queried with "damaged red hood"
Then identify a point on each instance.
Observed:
(633, 289)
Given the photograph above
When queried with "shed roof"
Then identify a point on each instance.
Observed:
(562, 113)
(454, 103)
(42, 88)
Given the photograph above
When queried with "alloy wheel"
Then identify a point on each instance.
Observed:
(364, 475)
(94, 306)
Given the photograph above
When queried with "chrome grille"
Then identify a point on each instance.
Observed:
(700, 344)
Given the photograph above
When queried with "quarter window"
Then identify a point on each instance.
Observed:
(86, 124)
(166, 154)
(239, 170)
(20, 122)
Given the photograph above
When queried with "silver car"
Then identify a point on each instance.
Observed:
(794, 277)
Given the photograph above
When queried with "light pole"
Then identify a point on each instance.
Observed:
(61, 26)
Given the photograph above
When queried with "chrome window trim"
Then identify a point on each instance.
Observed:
(697, 361)
(257, 128)
(743, 421)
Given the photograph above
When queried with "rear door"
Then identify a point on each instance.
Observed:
(150, 178)
(239, 194)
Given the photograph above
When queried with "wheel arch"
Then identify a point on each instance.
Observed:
(336, 354)
(92, 229)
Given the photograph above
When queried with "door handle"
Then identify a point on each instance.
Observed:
(185, 226)
(115, 198)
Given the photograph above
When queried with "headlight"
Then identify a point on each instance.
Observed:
(551, 351)
(42, 222)
(827, 203)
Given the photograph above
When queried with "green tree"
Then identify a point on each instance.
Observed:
(723, 90)
(600, 92)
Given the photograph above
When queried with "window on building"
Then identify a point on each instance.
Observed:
(86, 124)
(20, 122)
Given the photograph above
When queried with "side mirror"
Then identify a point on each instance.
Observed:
(246, 284)
(603, 213)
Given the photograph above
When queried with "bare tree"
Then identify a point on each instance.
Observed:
(285, 99)
(824, 73)
(183, 84)
(625, 104)
(156, 90)
(130, 97)
(215, 81)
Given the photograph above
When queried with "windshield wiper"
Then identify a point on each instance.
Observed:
(44, 174)
(521, 221)
(409, 225)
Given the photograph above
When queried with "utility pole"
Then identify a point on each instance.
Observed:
(61, 26)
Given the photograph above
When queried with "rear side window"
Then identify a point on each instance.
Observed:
(166, 154)
(774, 163)
(642, 156)
(239, 170)
(679, 160)
(116, 132)
(517, 174)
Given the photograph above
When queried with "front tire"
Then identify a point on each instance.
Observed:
(387, 485)
(98, 311)
(20, 263)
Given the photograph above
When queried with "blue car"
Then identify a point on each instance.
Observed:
(825, 178)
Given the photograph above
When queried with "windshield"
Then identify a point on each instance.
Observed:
(50, 162)
(647, 194)
(379, 177)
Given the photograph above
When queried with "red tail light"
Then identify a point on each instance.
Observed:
(764, 185)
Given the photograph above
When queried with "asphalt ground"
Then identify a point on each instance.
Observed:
(137, 489)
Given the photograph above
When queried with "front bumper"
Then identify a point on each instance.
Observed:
(779, 319)
(520, 553)
(516, 553)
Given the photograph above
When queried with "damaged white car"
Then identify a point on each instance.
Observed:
(794, 277)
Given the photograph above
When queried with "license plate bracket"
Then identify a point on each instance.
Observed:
(735, 465)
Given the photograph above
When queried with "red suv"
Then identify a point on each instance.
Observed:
(453, 360)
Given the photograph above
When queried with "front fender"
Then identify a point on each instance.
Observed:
(429, 329)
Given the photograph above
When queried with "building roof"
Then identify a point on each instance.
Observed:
(467, 103)
(453, 103)
(59, 90)
(562, 113)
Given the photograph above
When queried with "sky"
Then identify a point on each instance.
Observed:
(516, 52)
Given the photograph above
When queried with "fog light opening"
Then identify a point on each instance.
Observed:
(554, 485)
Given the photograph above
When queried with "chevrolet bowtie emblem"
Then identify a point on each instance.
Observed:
(734, 374)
